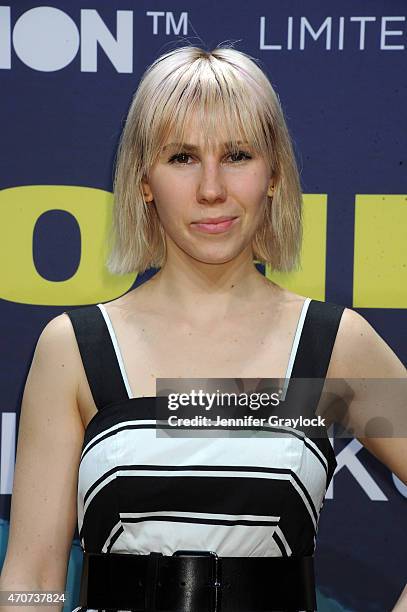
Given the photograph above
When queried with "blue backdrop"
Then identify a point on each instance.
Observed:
(67, 74)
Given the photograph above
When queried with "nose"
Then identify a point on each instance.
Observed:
(211, 186)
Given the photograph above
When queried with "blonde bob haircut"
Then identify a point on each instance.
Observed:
(231, 95)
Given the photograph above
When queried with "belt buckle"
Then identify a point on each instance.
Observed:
(215, 567)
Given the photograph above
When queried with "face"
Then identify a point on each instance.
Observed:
(197, 185)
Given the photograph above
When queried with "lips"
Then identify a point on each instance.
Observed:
(213, 220)
(216, 228)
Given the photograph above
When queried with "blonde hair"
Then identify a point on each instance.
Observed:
(230, 92)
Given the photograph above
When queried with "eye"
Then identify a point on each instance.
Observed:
(245, 155)
(178, 156)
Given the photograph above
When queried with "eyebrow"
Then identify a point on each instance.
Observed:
(192, 147)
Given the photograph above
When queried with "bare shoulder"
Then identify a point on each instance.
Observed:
(360, 351)
(57, 340)
(276, 295)
(58, 330)
(57, 356)
(284, 295)
(136, 300)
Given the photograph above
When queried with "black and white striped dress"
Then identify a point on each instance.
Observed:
(255, 496)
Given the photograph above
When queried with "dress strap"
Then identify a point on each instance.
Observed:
(98, 355)
(311, 362)
(317, 339)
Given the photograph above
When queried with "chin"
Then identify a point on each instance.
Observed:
(214, 259)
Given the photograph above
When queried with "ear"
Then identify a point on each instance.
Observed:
(270, 191)
(147, 193)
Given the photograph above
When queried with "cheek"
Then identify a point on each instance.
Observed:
(254, 197)
(252, 186)
(170, 211)
(172, 197)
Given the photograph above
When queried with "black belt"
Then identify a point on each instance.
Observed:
(197, 581)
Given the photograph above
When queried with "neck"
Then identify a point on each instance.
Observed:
(210, 291)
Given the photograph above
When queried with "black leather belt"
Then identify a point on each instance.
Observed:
(197, 581)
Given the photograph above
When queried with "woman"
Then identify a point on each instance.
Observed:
(206, 183)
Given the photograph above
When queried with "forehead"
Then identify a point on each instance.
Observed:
(194, 147)
(194, 142)
(211, 136)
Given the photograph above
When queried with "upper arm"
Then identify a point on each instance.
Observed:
(373, 407)
(360, 351)
(43, 504)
